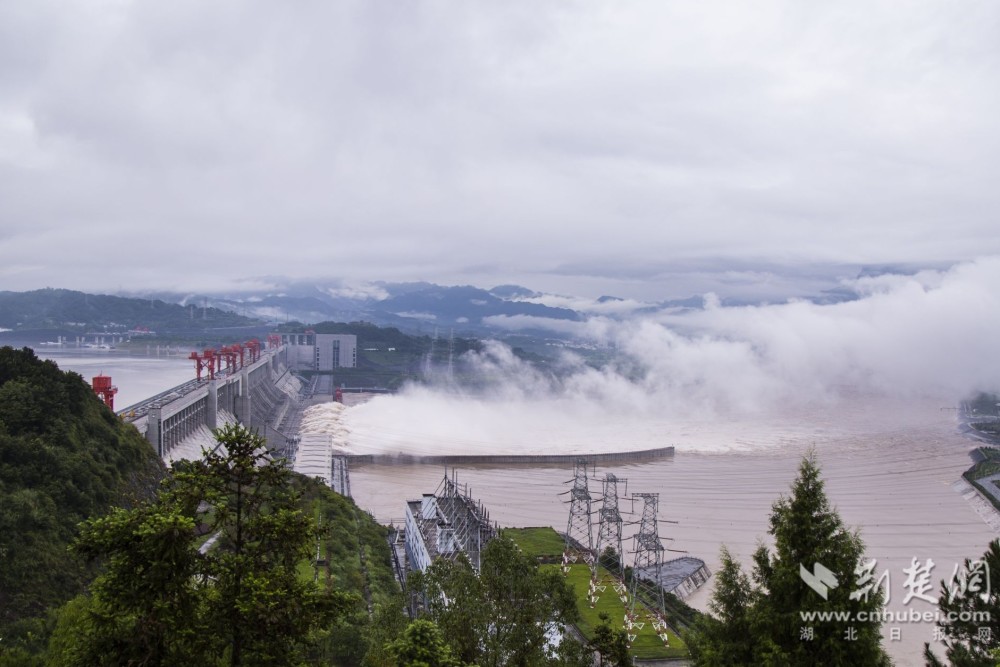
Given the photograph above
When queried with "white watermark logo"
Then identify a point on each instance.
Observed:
(972, 578)
(821, 579)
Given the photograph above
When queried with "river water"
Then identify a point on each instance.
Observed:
(138, 376)
(891, 468)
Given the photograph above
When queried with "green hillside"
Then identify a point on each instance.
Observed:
(68, 309)
(64, 457)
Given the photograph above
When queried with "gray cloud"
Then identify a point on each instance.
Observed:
(189, 145)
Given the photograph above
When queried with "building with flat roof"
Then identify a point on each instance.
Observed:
(320, 352)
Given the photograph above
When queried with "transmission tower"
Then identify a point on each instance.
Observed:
(579, 533)
(609, 533)
(648, 564)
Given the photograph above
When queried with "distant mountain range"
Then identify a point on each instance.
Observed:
(417, 307)
(424, 307)
(63, 309)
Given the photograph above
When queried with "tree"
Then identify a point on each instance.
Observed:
(611, 644)
(422, 646)
(970, 613)
(723, 637)
(145, 608)
(387, 624)
(501, 616)
(764, 618)
(258, 602)
(160, 601)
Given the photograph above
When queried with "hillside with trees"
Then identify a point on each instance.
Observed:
(64, 457)
(99, 545)
(64, 309)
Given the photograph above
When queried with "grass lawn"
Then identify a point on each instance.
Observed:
(537, 542)
(646, 644)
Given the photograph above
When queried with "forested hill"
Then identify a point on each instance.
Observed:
(64, 457)
(61, 308)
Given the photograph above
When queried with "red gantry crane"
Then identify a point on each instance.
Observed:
(204, 361)
(105, 390)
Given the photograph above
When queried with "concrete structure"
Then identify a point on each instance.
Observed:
(320, 352)
(444, 524)
(314, 457)
(250, 394)
(680, 576)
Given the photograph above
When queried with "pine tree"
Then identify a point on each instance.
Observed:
(723, 637)
(970, 612)
(760, 621)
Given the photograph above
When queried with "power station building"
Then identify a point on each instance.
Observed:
(444, 524)
(320, 352)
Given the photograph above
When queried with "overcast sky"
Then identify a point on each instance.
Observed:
(582, 147)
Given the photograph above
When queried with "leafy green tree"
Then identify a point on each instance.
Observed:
(501, 616)
(611, 644)
(766, 613)
(456, 602)
(388, 624)
(422, 646)
(723, 637)
(970, 616)
(162, 602)
(146, 606)
(571, 653)
(257, 602)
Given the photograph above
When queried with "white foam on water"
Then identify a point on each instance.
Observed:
(427, 422)
(327, 419)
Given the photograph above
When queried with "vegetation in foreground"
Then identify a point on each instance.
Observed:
(501, 616)
(969, 639)
(755, 620)
(71, 472)
(161, 601)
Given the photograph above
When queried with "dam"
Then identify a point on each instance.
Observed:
(262, 394)
(268, 396)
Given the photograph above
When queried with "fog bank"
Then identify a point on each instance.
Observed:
(719, 378)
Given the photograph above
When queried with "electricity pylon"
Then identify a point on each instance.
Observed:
(648, 565)
(609, 533)
(579, 533)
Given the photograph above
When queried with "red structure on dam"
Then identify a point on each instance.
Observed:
(105, 390)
